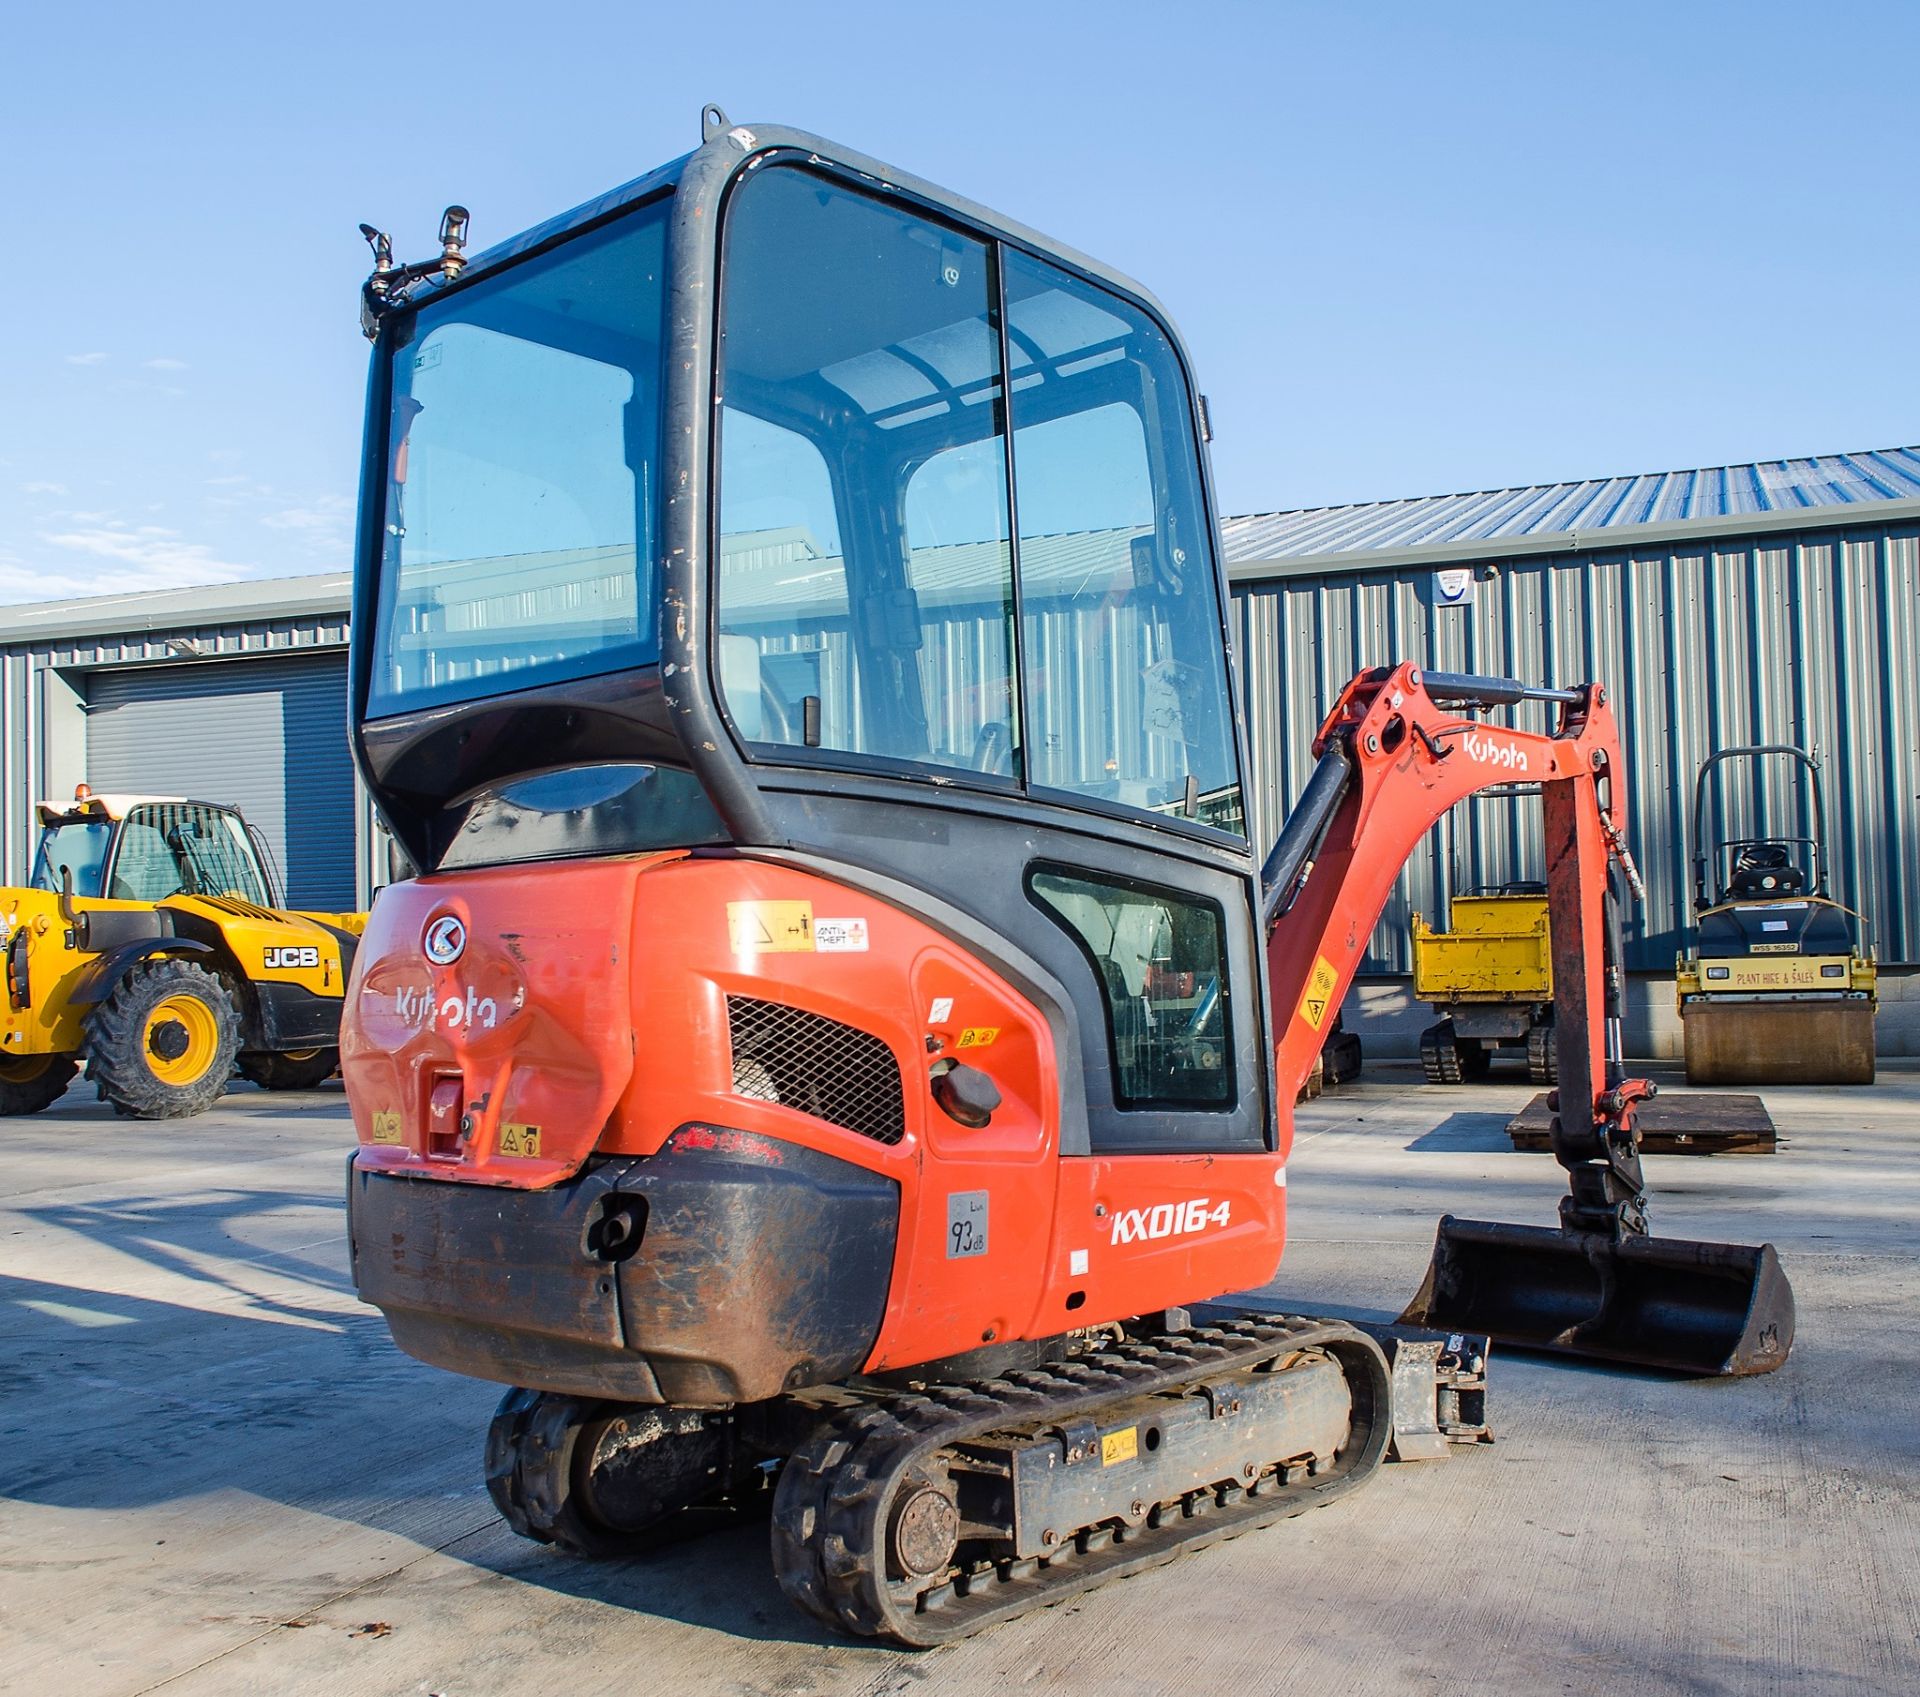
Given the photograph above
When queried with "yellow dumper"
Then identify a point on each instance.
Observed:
(1489, 976)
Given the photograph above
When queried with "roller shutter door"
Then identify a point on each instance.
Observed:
(266, 736)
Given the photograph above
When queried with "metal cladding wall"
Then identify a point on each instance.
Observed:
(42, 684)
(1808, 637)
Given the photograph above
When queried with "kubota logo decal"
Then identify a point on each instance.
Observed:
(445, 940)
(1490, 751)
(464, 1010)
(1169, 1219)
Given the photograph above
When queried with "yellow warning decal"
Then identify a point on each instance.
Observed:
(386, 1128)
(978, 1036)
(520, 1140)
(1123, 1445)
(1321, 983)
(770, 928)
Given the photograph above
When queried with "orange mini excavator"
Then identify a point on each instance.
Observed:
(841, 1023)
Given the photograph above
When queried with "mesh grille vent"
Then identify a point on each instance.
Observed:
(816, 1066)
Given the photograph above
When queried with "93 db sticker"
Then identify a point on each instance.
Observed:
(1321, 983)
(966, 1223)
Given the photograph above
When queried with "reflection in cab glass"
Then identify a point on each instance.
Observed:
(1126, 689)
(866, 574)
(866, 580)
(518, 511)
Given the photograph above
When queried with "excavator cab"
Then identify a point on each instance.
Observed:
(791, 639)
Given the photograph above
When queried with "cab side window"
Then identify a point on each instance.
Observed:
(144, 868)
(169, 847)
(1125, 677)
(865, 586)
(1160, 959)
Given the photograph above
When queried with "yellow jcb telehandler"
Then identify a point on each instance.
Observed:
(148, 942)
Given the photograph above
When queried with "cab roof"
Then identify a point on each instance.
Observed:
(112, 807)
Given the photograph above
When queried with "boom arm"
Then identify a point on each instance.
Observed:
(1394, 755)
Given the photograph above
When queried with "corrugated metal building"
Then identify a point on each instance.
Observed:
(1736, 604)
(1775, 602)
(235, 693)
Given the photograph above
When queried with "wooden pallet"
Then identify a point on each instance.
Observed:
(1692, 1122)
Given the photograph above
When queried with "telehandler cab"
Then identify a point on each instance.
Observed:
(149, 943)
(842, 1022)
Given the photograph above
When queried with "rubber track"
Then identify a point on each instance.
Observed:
(829, 1515)
(1542, 1062)
(1440, 1055)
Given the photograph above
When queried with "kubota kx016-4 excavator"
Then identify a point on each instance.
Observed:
(842, 1021)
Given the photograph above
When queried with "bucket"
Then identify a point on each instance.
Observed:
(1699, 1308)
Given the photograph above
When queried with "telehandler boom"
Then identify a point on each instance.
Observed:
(842, 1023)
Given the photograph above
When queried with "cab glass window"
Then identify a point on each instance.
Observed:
(78, 847)
(166, 848)
(519, 506)
(865, 581)
(1126, 686)
(1160, 959)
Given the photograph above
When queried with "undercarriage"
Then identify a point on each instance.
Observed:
(921, 1513)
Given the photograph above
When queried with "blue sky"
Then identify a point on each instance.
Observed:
(1413, 248)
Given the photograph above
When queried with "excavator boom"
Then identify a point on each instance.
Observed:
(1398, 749)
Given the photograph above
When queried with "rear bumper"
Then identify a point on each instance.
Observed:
(727, 1268)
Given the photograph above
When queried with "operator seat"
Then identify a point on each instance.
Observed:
(1763, 869)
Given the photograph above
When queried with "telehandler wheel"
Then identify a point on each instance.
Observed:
(297, 1070)
(602, 1479)
(29, 1083)
(162, 1044)
(1543, 1062)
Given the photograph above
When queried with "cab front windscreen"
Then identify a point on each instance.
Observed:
(521, 489)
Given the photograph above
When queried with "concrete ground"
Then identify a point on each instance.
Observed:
(217, 1474)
